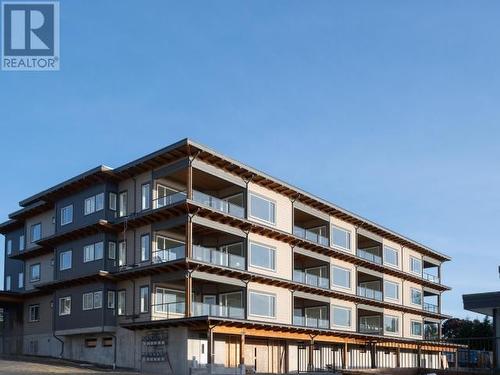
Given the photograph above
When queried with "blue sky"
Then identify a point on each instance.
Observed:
(388, 108)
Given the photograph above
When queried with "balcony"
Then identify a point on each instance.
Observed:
(207, 309)
(430, 277)
(431, 307)
(310, 270)
(307, 321)
(310, 235)
(310, 279)
(218, 204)
(169, 198)
(431, 331)
(170, 310)
(369, 249)
(431, 272)
(370, 293)
(310, 227)
(371, 324)
(168, 254)
(219, 258)
(369, 256)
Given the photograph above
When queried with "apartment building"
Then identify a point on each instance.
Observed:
(187, 261)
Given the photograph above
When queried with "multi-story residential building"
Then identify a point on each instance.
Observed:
(186, 258)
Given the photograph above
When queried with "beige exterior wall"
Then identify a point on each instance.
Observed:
(48, 227)
(283, 207)
(408, 286)
(396, 247)
(344, 225)
(346, 304)
(282, 307)
(347, 266)
(398, 281)
(283, 259)
(407, 254)
(408, 318)
(399, 316)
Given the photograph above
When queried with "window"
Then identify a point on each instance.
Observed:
(93, 204)
(36, 232)
(21, 242)
(262, 304)
(146, 196)
(65, 306)
(111, 299)
(20, 280)
(107, 341)
(112, 201)
(7, 283)
(341, 316)
(67, 215)
(99, 202)
(169, 301)
(88, 301)
(35, 272)
(93, 252)
(9, 247)
(145, 247)
(391, 256)
(123, 204)
(98, 299)
(416, 328)
(262, 256)
(416, 296)
(391, 324)
(391, 290)
(341, 238)
(121, 302)
(341, 277)
(415, 265)
(262, 209)
(111, 250)
(144, 299)
(65, 260)
(34, 313)
(90, 343)
(122, 253)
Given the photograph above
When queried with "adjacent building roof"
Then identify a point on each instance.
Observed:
(482, 303)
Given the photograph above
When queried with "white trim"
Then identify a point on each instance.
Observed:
(342, 308)
(397, 324)
(397, 256)
(421, 328)
(332, 243)
(269, 200)
(350, 278)
(272, 248)
(250, 292)
(398, 289)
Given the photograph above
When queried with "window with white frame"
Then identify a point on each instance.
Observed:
(65, 260)
(416, 328)
(262, 256)
(99, 202)
(146, 196)
(67, 215)
(341, 277)
(169, 301)
(8, 285)
(9, 247)
(415, 265)
(341, 238)
(391, 290)
(416, 296)
(111, 250)
(35, 272)
(391, 324)
(341, 316)
(88, 301)
(111, 299)
(262, 209)
(20, 280)
(391, 256)
(145, 247)
(93, 252)
(36, 232)
(122, 200)
(121, 302)
(112, 201)
(144, 296)
(263, 304)
(65, 306)
(34, 313)
(93, 204)
(122, 253)
(98, 299)
(22, 243)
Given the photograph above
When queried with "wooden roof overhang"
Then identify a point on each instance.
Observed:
(31, 252)
(58, 284)
(10, 297)
(296, 286)
(31, 210)
(10, 225)
(152, 269)
(83, 231)
(152, 216)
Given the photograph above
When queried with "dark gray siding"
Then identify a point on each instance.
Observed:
(12, 266)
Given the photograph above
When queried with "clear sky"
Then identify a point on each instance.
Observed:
(387, 108)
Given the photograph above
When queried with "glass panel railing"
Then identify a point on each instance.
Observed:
(306, 321)
(214, 256)
(430, 307)
(310, 236)
(218, 204)
(170, 310)
(369, 256)
(167, 255)
(202, 309)
(310, 279)
(169, 199)
(370, 328)
(431, 278)
(370, 293)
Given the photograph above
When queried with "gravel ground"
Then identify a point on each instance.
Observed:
(15, 367)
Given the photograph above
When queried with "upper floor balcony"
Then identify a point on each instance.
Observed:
(370, 322)
(369, 249)
(431, 301)
(311, 271)
(310, 227)
(431, 272)
(369, 286)
(310, 313)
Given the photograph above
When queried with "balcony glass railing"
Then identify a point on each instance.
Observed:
(202, 309)
(431, 307)
(170, 310)
(214, 256)
(373, 329)
(167, 255)
(370, 293)
(310, 279)
(305, 321)
(218, 204)
(169, 199)
(369, 256)
(431, 278)
(310, 235)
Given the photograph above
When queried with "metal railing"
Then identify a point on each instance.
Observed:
(370, 293)
(310, 236)
(218, 204)
(169, 199)
(214, 256)
(475, 353)
(167, 255)
(369, 256)
(202, 309)
(431, 278)
(306, 321)
(431, 307)
(310, 279)
(170, 310)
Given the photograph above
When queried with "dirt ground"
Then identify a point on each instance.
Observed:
(15, 367)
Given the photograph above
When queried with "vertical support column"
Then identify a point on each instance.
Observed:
(310, 363)
(373, 351)
(189, 237)
(242, 353)
(188, 293)
(439, 303)
(293, 305)
(398, 357)
(496, 338)
(345, 355)
(210, 348)
(245, 300)
(189, 179)
(419, 357)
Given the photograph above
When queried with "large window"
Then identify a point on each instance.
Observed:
(391, 324)
(21, 242)
(93, 204)
(35, 272)
(65, 306)
(93, 252)
(65, 260)
(391, 256)
(391, 290)
(111, 250)
(8, 285)
(262, 209)
(416, 296)
(20, 280)
(112, 201)
(111, 299)
(341, 238)
(415, 265)
(262, 256)
(169, 301)
(144, 295)
(263, 304)
(416, 328)
(122, 295)
(146, 196)
(341, 277)
(9, 247)
(341, 316)
(67, 215)
(122, 253)
(34, 313)
(36, 232)
(122, 200)
(145, 247)
(88, 301)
